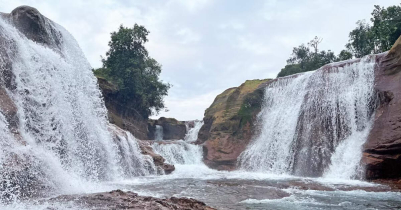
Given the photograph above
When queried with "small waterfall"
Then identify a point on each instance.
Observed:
(59, 138)
(182, 152)
(314, 124)
(192, 133)
(159, 133)
(179, 152)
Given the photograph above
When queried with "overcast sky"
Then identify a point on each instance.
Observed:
(208, 46)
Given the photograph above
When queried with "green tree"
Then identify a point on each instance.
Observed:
(361, 40)
(128, 65)
(307, 58)
(386, 26)
(344, 55)
(366, 39)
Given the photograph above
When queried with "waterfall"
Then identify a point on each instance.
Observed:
(159, 133)
(182, 152)
(179, 152)
(314, 124)
(59, 138)
(192, 133)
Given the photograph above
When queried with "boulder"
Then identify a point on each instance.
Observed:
(147, 149)
(118, 199)
(35, 26)
(229, 124)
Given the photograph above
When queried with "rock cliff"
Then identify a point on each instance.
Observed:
(229, 124)
(121, 115)
(382, 150)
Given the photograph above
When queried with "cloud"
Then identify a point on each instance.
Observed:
(187, 36)
(208, 46)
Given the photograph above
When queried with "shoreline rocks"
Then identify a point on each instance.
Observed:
(120, 200)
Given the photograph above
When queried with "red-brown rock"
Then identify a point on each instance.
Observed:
(382, 150)
(120, 200)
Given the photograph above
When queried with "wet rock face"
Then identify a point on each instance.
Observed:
(35, 26)
(121, 115)
(118, 199)
(382, 150)
(147, 149)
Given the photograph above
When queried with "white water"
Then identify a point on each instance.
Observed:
(63, 143)
(159, 133)
(192, 133)
(179, 152)
(314, 124)
(182, 152)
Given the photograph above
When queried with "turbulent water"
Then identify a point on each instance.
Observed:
(192, 133)
(62, 139)
(182, 152)
(314, 124)
(252, 190)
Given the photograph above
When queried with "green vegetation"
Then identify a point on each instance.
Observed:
(380, 36)
(307, 58)
(128, 66)
(365, 39)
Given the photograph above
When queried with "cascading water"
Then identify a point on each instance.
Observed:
(179, 152)
(314, 124)
(61, 137)
(182, 152)
(192, 133)
(159, 133)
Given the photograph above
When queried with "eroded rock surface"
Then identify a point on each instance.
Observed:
(382, 150)
(120, 200)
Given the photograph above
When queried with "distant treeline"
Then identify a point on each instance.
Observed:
(365, 39)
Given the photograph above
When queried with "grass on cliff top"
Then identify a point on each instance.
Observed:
(228, 104)
(251, 85)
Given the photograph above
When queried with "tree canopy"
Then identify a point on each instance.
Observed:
(128, 65)
(307, 58)
(365, 39)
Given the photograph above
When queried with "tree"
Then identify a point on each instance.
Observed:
(361, 40)
(304, 59)
(366, 39)
(128, 65)
(315, 43)
(344, 55)
(386, 26)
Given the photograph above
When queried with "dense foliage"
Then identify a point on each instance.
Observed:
(128, 65)
(380, 36)
(365, 39)
(308, 57)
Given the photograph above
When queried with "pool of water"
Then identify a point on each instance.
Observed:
(246, 190)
